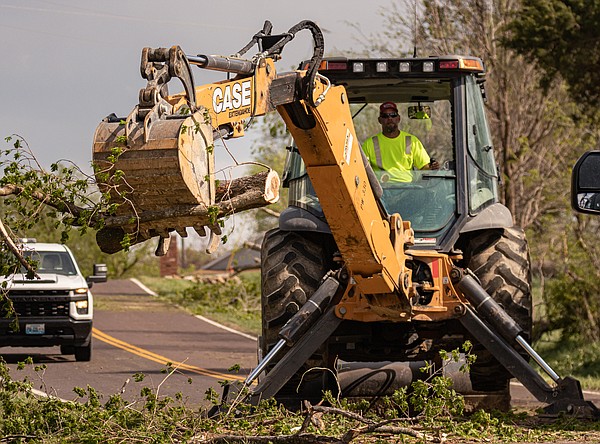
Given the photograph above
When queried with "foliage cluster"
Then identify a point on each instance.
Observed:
(49, 206)
(428, 412)
(67, 188)
(572, 356)
(562, 35)
(25, 417)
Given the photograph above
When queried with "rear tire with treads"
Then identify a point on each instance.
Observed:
(292, 267)
(500, 259)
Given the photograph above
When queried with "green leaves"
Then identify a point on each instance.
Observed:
(149, 417)
(64, 187)
(212, 396)
(50, 204)
(562, 36)
(213, 214)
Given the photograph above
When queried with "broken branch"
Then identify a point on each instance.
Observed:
(233, 196)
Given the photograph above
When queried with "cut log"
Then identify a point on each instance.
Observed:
(235, 196)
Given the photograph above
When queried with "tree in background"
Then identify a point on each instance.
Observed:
(563, 36)
(571, 296)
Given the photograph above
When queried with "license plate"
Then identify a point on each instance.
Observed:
(35, 329)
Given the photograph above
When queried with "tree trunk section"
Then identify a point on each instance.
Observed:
(235, 196)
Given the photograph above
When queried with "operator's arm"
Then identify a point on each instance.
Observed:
(433, 165)
(421, 158)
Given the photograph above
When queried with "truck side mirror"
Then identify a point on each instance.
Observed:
(100, 274)
(585, 184)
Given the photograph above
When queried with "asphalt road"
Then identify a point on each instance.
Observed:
(136, 335)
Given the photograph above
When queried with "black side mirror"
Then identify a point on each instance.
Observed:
(585, 184)
(100, 274)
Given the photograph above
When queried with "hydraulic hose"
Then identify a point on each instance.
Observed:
(315, 61)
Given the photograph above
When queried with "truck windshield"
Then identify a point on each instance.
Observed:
(55, 262)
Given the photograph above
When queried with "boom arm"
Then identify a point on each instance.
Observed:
(326, 139)
(321, 124)
(318, 116)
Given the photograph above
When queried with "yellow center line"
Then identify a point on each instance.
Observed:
(100, 335)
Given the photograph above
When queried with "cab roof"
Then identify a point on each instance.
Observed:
(369, 80)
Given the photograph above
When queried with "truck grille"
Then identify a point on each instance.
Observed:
(36, 303)
(29, 293)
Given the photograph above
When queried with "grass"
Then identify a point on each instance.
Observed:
(572, 357)
(234, 302)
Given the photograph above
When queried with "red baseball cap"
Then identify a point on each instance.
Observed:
(385, 106)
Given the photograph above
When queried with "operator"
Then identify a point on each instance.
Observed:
(394, 153)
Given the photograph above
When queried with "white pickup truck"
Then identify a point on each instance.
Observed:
(56, 309)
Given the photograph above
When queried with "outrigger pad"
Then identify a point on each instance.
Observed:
(573, 405)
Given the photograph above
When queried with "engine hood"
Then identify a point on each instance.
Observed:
(47, 281)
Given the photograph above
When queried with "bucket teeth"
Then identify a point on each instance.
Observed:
(163, 245)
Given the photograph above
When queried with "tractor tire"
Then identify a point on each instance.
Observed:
(292, 266)
(500, 259)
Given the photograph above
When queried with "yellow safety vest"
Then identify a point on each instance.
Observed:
(396, 157)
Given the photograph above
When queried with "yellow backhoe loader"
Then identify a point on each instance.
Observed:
(361, 268)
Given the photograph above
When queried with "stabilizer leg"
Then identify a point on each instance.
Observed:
(300, 337)
(296, 356)
(565, 396)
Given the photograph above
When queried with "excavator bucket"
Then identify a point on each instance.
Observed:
(173, 164)
(156, 159)
(145, 169)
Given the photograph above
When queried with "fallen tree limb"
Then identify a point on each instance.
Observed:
(304, 438)
(370, 426)
(232, 197)
(365, 426)
(60, 205)
(118, 232)
(15, 250)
